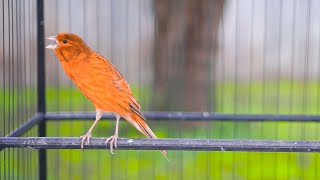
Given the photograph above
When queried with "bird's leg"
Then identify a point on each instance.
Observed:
(88, 136)
(113, 139)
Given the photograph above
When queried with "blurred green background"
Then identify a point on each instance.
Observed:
(198, 165)
(100, 164)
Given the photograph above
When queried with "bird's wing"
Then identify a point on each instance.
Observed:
(118, 84)
(104, 85)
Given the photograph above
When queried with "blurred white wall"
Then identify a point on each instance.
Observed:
(258, 39)
(269, 39)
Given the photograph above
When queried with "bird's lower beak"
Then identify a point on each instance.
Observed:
(52, 46)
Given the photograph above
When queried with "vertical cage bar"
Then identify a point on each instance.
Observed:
(41, 86)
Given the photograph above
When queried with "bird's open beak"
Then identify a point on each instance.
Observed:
(52, 46)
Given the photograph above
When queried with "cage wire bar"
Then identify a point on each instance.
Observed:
(165, 116)
(18, 99)
(12, 140)
(41, 86)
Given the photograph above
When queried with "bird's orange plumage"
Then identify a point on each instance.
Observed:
(99, 81)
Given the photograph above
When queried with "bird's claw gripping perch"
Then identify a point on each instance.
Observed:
(85, 137)
(112, 140)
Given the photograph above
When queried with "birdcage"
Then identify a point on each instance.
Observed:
(231, 88)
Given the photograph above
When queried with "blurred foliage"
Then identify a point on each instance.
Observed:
(256, 97)
(283, 97)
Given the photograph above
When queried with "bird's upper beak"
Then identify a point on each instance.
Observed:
(52, 46)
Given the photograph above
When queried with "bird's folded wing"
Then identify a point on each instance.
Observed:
(104, 85)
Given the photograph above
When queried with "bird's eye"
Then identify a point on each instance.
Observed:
(65, 41)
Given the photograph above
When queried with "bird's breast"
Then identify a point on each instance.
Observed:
(91, 82)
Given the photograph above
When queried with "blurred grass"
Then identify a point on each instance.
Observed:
(285, 97)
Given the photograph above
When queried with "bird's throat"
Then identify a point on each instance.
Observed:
(67, 55)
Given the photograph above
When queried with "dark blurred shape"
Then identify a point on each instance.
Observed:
(186, 38)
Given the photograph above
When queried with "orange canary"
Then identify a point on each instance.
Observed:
(100, 81)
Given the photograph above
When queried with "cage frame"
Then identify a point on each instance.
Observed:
(13, 139)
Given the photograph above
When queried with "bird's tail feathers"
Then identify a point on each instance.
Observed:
(139, 123)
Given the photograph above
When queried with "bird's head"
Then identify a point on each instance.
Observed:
(67, 46)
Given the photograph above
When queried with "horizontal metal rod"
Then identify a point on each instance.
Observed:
(34, 120)
(163, 144)
(206, 116)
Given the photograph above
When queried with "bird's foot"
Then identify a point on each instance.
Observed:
(85, 137)
(113, 142)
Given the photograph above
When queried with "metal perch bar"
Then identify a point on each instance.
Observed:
(207, 116)
(163, 144)
(36, 119)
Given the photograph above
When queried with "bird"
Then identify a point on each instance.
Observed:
(100, 81)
